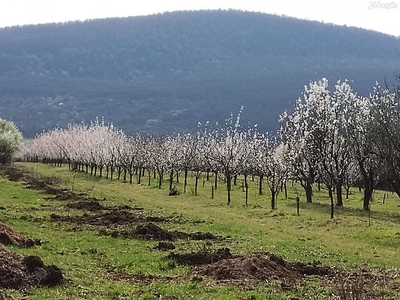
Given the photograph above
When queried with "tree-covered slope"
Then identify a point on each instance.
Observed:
(168, 71)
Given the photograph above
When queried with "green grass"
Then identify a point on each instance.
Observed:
(348, 241)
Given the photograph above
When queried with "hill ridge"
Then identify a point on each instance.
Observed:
(166, 72)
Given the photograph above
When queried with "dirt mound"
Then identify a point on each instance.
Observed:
(66, 195)
(13, 174)
(201, 236)
(164, 246)
(110, 218)
(202, 257)
(89, 204)
(260, 267)
(43, 183)
(17, 271)
(150, 231)
(9, 237)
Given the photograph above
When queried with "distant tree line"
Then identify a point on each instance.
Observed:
(335, 138)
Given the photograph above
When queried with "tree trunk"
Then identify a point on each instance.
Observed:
(273, 199)
(119, 171)
(139, 176)
(195, 185)
(285, 190)
(368, 178)
(308, 189)
(185, 180)
(246, 188)
(339, 196)
(367, 198)
(216, 180)
(171, 179)
(160, 177)
(260, 186)
(332, 202)
(228, 186)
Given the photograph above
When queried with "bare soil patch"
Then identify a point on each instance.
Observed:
(261, 267)
(110, 219)
(9, 237)
(45, 184)
(17, 271)
(164, 246)
(150, 231)
(109, 222)
(88, 204)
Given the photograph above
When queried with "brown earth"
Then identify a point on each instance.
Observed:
(9, 237)
(150, 231)
(44, 183)
(107, 222)
(17, 271)
(89, 204)
(110, 218)
(260, 267)
(164, 246)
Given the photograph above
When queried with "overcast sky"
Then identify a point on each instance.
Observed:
(381, 16)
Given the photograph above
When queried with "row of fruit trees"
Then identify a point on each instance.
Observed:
(336, 138)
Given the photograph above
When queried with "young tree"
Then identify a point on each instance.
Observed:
(338, 159)
(361, 136)
(303, 132)
(227, 150)
(11, 141)
(386, 131)
(276, 169)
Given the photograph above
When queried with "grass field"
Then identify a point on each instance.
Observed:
(107, 266)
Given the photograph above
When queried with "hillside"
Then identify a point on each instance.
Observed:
(169, 71)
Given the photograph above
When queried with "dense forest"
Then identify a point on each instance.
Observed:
(167, 72)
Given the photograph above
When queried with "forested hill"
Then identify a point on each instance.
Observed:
(169, 71)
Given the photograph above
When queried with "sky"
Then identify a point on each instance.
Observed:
(383, 16)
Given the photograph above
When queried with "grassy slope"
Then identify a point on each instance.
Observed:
(347, 241)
